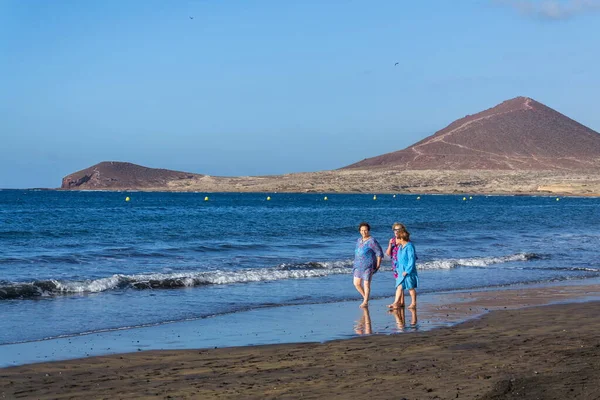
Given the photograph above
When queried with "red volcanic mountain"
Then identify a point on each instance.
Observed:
(122, 175)
(518, 134)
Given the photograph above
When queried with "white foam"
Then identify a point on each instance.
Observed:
(473, 262)
(227, 277)
(94, 286)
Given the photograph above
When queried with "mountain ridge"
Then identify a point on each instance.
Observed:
(517, 134)
(519, 146)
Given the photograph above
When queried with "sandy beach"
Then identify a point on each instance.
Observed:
(545, 352)
(201, 200)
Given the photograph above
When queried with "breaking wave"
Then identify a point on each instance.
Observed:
(52, 287)
(56, 287)
(477, 261)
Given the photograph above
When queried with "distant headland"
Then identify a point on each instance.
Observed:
(517, 147)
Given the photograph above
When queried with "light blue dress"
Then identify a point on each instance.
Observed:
(406, 262)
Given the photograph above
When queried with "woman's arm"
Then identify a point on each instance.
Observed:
(377, 248)
(389, 249)
(410, 266)
(378, 253)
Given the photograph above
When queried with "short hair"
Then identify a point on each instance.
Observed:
(364, 224)
(398, 224)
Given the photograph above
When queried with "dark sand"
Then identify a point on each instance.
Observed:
(547, 352)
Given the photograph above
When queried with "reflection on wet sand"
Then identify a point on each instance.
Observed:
(363, 325)
(398, 314)
(413, 318)
(400, 317)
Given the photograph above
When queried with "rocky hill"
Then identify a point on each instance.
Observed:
(518, 147)
(113, 175)
(518, 134)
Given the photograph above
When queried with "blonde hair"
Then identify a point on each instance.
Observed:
(404, 233)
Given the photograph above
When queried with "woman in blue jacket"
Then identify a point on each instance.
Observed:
(406, 269)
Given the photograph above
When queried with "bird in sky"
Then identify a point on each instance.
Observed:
(191, 17)
(396, 64)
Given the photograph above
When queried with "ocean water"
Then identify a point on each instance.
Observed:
(83, 262)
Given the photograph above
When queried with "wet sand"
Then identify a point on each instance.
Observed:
(546, 352)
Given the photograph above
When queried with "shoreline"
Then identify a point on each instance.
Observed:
(519, 345)
(567, 183)
(305, 323)
(383, 192)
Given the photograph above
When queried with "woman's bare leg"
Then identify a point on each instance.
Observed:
(413, 298)
(358, 286)
(399, 300)
(367, 287)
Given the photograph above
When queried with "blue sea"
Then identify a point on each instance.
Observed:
(85, 262)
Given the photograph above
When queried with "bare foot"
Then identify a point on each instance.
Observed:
(393, 305)
(364, 304)
(412, 307)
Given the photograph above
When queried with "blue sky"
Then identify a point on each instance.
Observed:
(260, 87)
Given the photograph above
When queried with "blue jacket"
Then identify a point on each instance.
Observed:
(406, 262)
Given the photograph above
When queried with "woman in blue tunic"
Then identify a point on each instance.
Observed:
(406, 269)
(367, 260)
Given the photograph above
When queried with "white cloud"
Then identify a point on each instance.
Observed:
(552, 9)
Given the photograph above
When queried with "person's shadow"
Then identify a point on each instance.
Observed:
(363, 325)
